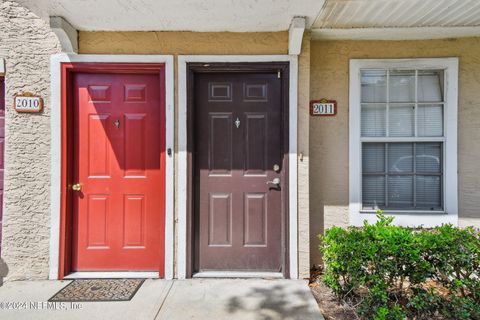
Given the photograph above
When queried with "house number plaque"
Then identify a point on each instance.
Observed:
(27, 102)
(323, 107)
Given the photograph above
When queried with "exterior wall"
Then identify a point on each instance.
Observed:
(183, 43)
(26, 43)
(329, 136)
(196, 43)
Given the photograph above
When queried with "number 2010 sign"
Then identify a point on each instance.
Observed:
(323, 107)
(27, 102)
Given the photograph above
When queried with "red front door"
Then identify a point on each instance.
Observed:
(118, 221)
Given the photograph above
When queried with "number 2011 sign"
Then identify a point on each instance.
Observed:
(323, 107)
(27, 102)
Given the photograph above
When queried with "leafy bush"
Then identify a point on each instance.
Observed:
(392, 272)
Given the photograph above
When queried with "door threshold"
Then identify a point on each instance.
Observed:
(112, 275)
(238, 274)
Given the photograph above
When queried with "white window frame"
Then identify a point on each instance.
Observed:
(411, 218)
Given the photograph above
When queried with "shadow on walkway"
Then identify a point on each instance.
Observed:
(276, 302)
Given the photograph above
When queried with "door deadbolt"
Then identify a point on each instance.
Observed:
(77, 187)
(276, 168)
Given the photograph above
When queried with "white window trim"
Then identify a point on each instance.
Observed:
(56, 149)
(406, 218)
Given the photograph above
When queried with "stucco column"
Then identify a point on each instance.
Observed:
(303, 146)
(28, 42)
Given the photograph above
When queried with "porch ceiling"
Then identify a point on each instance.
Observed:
(399, 13)
(185, 15)
(327, 19)
(397, 19)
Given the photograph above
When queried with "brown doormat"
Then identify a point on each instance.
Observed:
(84, 290)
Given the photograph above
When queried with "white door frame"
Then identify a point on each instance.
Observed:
(56, 151)
(182, 151)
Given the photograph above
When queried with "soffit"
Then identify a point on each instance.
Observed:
(344, 14)
(185, 15)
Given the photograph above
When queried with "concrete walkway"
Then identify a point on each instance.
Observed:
(202, 299)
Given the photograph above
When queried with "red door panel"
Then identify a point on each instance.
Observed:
(119, 149)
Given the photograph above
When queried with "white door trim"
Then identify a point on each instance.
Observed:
(182, 151)
(55, 122)
(2, 66)
(238, 274)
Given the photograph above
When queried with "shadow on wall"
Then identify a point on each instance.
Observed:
(3, 271)
(276, 302)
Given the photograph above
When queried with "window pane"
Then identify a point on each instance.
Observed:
(400, 157)
(373, 120)
(373, 157)
(428, 192)
(430, 120)
(400, 191)
(374, 86)
(401, 120)
(430, 86)
(428, 157)
(373, 192)
(402, 175)
(402, 86)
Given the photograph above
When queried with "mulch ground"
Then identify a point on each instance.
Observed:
(330, 306)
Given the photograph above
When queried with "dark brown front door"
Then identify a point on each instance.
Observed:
(238, 140)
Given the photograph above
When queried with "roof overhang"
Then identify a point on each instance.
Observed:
(185, 15)
(397, 19)
(418, 33)
(326, 19)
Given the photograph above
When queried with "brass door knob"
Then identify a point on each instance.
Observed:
(77, 187)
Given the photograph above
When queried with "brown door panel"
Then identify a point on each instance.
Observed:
(238, 140)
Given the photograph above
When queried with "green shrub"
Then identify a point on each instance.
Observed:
(392, 272)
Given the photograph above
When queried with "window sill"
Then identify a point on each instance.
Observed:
(413, 212)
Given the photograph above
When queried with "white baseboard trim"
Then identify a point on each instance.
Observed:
(112, 275)
(238, 274)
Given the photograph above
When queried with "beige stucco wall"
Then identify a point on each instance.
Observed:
(183, 42)
(196, 43)
(329, 136)
(26, 44)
